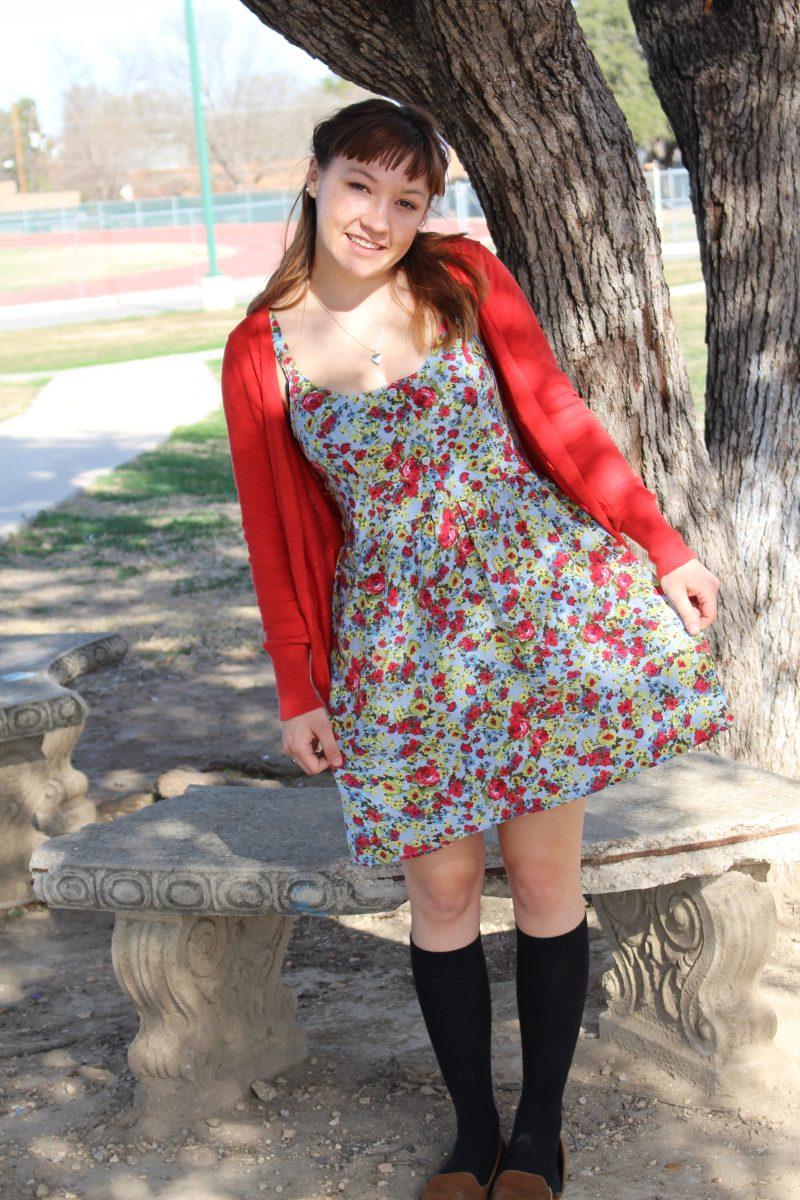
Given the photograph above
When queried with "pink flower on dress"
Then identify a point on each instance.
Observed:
(427, 775)
(497, 788)
(600, 574)
(539, 738)
(592, 632)
(519, 727)
(524, 629)
(409, 469)
(448, 532)
(374, 583)
(424, 397)
(312, 400)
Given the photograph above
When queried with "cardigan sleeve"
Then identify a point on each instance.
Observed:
(632, 508)
(286, 636)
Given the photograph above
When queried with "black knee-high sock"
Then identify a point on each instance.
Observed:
(454, 996)
(552, 980)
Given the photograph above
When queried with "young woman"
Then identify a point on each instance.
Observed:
(458, 630)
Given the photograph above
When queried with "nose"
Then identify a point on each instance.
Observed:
(375, 220)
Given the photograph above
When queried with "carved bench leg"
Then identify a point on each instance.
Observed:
(72, 808)
(684, 990)
(23, 781)
(214, 1015)
(41, 795)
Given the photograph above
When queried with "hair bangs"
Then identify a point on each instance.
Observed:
(390, 144)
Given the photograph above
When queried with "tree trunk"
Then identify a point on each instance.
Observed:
(522, 100)
(728, 77)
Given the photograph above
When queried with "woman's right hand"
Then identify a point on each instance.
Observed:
(309, 739)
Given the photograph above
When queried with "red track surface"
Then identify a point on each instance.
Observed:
(257, 250)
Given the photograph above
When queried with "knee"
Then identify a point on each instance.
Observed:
(448, 894)
(540, 888)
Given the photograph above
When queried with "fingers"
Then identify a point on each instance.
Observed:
(331, 755)
(310, 741)
(696, 604)
(707, 604)
(686, 610)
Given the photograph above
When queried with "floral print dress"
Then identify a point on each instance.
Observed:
(495, 650)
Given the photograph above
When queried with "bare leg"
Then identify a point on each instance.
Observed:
(542, 856)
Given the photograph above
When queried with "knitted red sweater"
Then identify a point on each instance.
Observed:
(292, 526)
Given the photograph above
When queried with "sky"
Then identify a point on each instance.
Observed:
(48, 43)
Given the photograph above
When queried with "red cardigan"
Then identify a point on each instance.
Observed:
(292, 526)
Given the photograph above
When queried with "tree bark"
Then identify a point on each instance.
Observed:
(728, 77)
(522, 100)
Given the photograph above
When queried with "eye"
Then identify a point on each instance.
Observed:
(410, 203)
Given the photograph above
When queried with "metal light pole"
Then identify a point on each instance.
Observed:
(217, 288)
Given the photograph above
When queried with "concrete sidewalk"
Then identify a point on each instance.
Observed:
(88, 420)
(119, 306)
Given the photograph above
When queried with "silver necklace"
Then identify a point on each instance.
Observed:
(375, 354)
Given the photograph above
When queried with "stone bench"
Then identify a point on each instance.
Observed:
(41, 721)
(205, 888)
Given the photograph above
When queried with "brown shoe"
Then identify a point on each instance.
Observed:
(523, 1185)
(462, 1185)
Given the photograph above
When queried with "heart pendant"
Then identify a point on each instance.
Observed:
(376, 357)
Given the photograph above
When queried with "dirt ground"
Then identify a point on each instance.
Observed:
(365, 1115)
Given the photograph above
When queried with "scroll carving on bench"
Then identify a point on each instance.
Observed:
(687, 955)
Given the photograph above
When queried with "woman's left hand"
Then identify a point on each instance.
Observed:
(692, 588)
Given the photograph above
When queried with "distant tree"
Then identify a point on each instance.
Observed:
(611, 35)
(143, 121)
(107, 134)
(36, 147)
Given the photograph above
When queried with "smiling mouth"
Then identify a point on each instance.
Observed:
(363, 245)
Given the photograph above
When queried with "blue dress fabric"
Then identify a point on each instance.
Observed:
(495, 650)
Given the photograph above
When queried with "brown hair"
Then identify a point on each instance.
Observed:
(380, 129)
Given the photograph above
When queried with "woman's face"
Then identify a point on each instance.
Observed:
(363, 202)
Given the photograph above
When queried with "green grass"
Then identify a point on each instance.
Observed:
(689, 313)
(165, 501)
(682, 270)
(17, 395)
(194, 461)
(149, 533)
(90, 342)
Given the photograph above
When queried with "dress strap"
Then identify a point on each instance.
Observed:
(277, 337)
